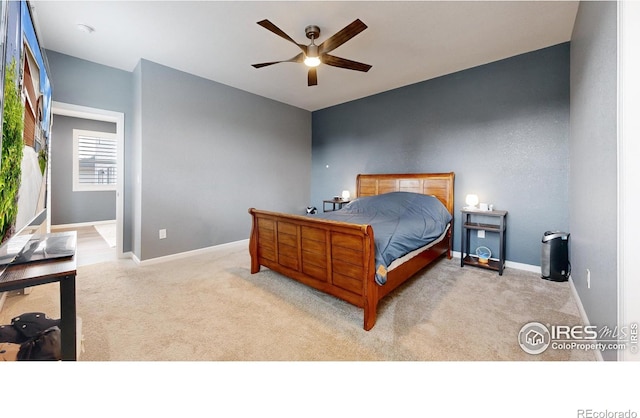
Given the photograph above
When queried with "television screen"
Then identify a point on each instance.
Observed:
(26, 124)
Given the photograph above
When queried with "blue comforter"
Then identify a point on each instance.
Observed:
(401, 222)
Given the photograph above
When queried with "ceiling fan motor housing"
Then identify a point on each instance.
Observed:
(312, 31)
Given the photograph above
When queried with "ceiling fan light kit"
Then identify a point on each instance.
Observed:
(313, 55)
(312, 59)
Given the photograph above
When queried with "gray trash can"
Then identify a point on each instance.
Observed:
(554, 262)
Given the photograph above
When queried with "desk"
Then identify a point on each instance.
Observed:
(19, 276)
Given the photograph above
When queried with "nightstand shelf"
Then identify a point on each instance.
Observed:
(499, 227)
(472, 260)
(482, 226)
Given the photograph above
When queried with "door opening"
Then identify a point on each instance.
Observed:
(83, 112)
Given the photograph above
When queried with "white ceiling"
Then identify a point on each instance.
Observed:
(405, 42)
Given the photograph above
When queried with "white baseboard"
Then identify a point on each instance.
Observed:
(81, 224)
(510, 264)
(187, 253)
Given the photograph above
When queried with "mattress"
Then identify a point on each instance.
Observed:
(402, 222)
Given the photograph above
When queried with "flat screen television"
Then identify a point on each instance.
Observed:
(26, 127)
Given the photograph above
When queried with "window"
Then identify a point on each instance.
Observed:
(94, 160)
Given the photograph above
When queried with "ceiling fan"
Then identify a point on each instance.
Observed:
(313, 55)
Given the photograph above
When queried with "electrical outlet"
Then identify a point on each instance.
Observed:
(162, 234)
(481, 233)
(588, 279)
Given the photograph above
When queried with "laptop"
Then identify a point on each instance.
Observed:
(44, 247)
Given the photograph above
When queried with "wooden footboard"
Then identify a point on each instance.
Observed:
(334, 257)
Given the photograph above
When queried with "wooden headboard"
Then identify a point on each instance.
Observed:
(439, 185)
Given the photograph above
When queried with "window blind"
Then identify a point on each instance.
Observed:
(96, 160)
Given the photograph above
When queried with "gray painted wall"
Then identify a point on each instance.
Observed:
(67, 206)
(593, 160)
(198, 153)
(208, 152)
(84, 83)
(503, 128)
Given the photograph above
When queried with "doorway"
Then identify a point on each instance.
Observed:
(99, 116)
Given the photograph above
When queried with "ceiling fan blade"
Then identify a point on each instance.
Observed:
(344, 63)
(312, 77)
(273, 28)
(297, 58)
(342, 36)
(265, 64)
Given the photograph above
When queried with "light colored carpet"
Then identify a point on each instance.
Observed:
(209, 307)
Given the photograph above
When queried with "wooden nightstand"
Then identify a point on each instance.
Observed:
(496, 224)
(334, 202)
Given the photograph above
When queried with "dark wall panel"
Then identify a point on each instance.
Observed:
(503, 128)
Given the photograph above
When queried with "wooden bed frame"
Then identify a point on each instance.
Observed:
(338, 258)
